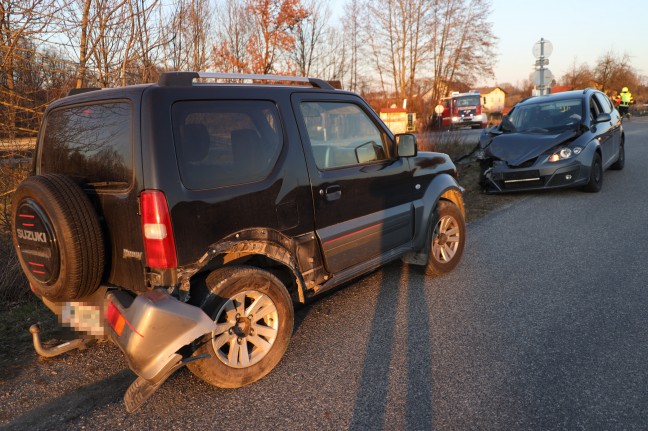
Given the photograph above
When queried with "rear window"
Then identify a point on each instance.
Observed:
(90, 143)
(224, 142)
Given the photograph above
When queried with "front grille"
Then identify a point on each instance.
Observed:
(521, 175)
(523, 179)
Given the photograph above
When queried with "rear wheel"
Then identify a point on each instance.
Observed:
(448, 239)
(254, 316)
(596, 176)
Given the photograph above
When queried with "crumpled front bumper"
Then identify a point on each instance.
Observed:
(501, 178)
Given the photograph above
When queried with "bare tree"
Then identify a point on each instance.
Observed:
(352, 35)
(436, 41)
(229, 53)
(190, 30)
(399, 39)
(273, 21)
(257, 35)
(309, 34)
(462, 43)
(22, 24)
(149, 37)
(613, 72)
(579, 76)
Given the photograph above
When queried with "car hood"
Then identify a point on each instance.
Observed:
(517, 148)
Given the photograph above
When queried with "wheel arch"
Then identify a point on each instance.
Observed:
(444, 187)
(261, 247)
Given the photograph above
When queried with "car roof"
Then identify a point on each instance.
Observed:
(573, 94)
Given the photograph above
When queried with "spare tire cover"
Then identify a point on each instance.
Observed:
(57, 237)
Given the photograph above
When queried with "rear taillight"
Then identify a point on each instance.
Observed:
(159, 244)
(115, 319)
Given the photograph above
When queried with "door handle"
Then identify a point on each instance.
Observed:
(331, 193)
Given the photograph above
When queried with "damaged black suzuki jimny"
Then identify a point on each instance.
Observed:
(184, 220)
(555, 141)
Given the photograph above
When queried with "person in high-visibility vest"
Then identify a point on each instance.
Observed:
(626, 100)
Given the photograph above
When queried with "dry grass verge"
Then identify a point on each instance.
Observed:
(460, 147)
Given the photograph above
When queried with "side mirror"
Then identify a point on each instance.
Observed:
(406, 145)
(603, 117)
(366, 152)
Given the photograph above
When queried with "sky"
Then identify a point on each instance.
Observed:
(580, 31)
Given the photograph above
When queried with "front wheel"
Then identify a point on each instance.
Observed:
(448, 239)
(596, 176)
(254, 316)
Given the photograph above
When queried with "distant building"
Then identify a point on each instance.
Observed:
(493, 98)
(398, 119)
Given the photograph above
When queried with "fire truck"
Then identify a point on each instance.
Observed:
(462, 110)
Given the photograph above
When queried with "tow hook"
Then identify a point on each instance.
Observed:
(141, 389)
(79, 343)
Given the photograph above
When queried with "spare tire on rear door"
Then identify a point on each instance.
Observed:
(57, 237)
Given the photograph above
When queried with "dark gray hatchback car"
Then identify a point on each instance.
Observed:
(560, 140)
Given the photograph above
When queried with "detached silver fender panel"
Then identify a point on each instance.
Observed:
(155, 326)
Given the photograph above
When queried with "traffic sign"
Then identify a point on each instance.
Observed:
(542, 48)
(537, 80)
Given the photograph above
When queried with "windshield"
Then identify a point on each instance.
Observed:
(543, 117)
(467, 100)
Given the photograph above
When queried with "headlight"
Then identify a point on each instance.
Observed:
(564, 153)
(455, 119)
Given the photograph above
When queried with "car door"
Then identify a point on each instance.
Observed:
(615, 123)
(361, 190)
(605, 129)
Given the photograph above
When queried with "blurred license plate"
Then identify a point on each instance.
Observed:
(83, 317)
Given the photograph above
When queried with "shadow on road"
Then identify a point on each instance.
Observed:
(56, 413)
(371, 400)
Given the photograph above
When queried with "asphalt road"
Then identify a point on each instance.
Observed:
(542, 326)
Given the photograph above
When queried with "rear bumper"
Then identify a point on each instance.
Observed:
(151, 328)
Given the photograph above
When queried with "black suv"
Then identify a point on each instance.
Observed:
(183, 220)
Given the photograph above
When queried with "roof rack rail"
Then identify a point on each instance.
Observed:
(74, 91)
(185, 79)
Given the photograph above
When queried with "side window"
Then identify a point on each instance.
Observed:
(341, 134)
(93, 144)
(604, 102)
(222, 142)
(594, 109)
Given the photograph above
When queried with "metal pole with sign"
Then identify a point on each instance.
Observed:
(542, 75)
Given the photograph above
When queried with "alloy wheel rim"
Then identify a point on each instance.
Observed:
(246, 329)
(446, 239)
